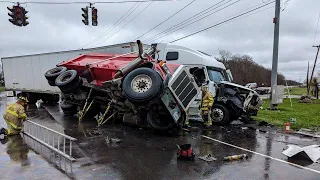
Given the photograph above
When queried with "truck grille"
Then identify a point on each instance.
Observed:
(184, 89)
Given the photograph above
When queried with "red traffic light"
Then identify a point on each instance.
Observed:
(94, 11)
(18, 9)
(18, 15)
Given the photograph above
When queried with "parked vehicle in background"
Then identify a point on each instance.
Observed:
(25, 73)
(251, 85)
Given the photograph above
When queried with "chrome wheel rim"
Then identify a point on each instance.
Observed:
(217, 115)
(141, 83)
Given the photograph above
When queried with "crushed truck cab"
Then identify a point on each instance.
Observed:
(134, 89)
(231, 101)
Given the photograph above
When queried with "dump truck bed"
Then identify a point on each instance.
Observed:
(100, 69)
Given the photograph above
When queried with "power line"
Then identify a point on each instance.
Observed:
(81, 2)
(166, 19)
(285, 5)
(315, 34)
(188, 22)
(111, 27)
(127, 22)
(225, 21)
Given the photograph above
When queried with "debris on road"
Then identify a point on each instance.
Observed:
(244, 128)
(208, 158)
(308, 132)
(312, 152)
(235, 157)
(113, 140)
(185, 151)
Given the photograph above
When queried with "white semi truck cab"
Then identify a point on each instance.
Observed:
(231, 101)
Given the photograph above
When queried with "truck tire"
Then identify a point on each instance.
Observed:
(159, 122)
(220, 114)
(142, 85)
(68, 80)
(52, 83)
(52, 74)
(68, 109)
(71, 88)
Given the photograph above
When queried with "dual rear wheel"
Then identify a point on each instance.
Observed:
(68, 81)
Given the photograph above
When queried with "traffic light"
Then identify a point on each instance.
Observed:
(94, 16)
(85, 15)
(18, 16)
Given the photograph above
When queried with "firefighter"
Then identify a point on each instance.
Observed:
(205, 106)
(14, 117)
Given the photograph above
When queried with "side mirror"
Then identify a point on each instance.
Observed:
(229, 74)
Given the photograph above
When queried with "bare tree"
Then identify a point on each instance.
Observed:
(246, 70)
(224, 56)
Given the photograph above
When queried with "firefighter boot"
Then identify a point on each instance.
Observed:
(3, 140)
(3, 131)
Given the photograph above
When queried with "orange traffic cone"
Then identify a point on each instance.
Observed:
(287, 127)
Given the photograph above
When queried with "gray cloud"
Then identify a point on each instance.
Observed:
(59, 27)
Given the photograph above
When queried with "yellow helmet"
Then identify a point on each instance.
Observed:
(204, 88)
(24, 99)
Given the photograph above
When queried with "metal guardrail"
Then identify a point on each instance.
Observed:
(52, 139)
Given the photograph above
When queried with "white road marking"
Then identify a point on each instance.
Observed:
(296, 165)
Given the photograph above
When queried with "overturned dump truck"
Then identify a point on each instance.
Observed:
(135, 89)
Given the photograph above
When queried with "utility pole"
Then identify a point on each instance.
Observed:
(314, 66)
(308, 79)
(276, 21)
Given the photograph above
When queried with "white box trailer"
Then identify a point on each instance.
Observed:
(26, 73)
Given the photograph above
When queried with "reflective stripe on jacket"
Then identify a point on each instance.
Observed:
(15, 115)
(206, 103)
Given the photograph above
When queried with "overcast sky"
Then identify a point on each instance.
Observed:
(59, 27)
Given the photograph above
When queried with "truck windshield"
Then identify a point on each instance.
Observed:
(216, 74)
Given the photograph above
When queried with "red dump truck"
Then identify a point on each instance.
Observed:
(134, 88)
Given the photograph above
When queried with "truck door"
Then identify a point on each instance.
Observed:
(211, 84)
(199, 74)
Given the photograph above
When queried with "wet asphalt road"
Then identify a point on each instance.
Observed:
(144, 154)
